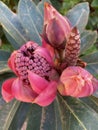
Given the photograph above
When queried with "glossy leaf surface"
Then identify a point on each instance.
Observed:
(92, 62)
(7, 113)
(88, 38)
(65, 113)
(78, 15)
(4, 55)
(18, 120)
(12, 25)
(31, 19)
(3, 67)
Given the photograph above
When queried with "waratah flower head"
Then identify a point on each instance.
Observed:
(33, 65)
(34, 58)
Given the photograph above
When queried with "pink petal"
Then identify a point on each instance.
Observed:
(7, 90)
(70, 86)
(49, 48)
(11, 62)
(47, 95)
(22, 92)
(44, 53)
(38, 83)
(85, 91)
(55, 32)
(47, 14)
(50, 12)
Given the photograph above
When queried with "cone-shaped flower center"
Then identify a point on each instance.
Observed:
(27, 59)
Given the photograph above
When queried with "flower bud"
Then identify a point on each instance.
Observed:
(56, 27)
(72, 48)
(77, 82)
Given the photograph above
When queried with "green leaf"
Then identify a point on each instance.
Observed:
(7, 113)
(31, 19)
(91, 58)
(57, 4)
(36, 1)
(78, 15)
(12, 25)
(93, 68)
(11, 40)
(3, 67)
(94, 3)
(92, 102)
(34, 118)
(88, 38)
(20, 116)
(4, 55)
(45, 118)
(76, 115)
(48, 118)
(92, 62)
(65, 113)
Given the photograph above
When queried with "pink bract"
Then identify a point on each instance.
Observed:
(56, 27)
(77, 82)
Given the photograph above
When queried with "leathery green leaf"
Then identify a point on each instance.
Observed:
(4, 55)
(20, 116)
(7, 114)
(76, 114)
(91, 58)
(65, 113)
(31, 19)
(93, 68)
(45, 118)
(3, 67)
(12, 25)
(88, 38)
(34, 118)
(78, 15)
(92, 102)
(92, 62)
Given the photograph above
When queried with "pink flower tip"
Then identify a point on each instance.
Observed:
(56, 27)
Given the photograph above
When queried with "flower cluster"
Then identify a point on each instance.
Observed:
(55, 66)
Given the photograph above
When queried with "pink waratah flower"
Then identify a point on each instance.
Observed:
(33, 66)
(77, 82)
(56, 27)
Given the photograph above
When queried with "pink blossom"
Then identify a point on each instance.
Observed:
(56, 27)
(77, 82)
(33, 66)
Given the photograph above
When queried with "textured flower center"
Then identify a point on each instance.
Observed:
(26, 60)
